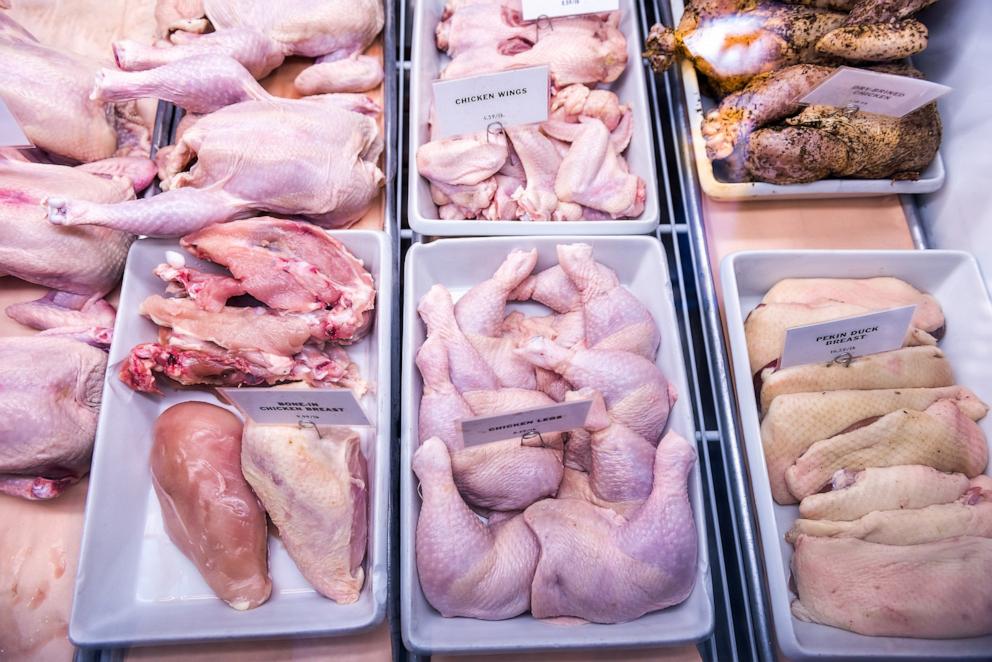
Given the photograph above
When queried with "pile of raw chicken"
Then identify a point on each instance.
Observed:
(595, 524)
(887, 463)
(760, 56)
(569, 168)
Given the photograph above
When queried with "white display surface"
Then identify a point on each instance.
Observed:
(954, 279)
(459, 264)
(426, 64)
(133, 585)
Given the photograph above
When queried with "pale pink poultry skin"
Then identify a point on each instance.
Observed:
(936, 590)
(314, 486)
(467, 567)
(601, 567)
(51, 399)
(209, 510)
(48, 92)
(468, 370)
(261, 35)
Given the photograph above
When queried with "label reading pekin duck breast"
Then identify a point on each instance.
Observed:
(847, 338)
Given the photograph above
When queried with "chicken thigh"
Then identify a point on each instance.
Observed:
(209, 510)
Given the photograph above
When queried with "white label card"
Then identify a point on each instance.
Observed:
(824, 342)
(534, 9)
(279, 406)
(11, 134)
(553, 418)
(491, 101)
(874, 92)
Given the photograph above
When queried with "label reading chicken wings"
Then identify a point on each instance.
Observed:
(874, 92)
(534, 9)
(526, 424)
(847, 338)
(11, 133)
(279, 406)
(490, 102)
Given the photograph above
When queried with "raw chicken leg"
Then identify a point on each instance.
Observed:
(636, 392)
(796, 421)
(210, 512)
(50, 391)
(934, 590)
(356, 73)
(68, 315)
(941, 437)
(614, 318)
(480, 311)
(855, 494)
(596, 565)
(469, 372)
(441, 405)
(910, 367)
(314, 486)
(467, 567)
(553, 288)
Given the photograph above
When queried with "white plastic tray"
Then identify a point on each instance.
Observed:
(459, 264)
(427, 62)
(698, 105)
(133, 585)
(954, 279)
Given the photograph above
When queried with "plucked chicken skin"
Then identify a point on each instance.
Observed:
(210, 511)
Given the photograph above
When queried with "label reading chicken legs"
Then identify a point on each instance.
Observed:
(847, 338)
(874, 92)
(527, 424)
(534, 9)
(491, 102)
(280, 406)
(11, 133)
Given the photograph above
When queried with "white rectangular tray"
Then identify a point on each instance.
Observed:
(460, 264)
(954, 279)
(699, 104)
(133, 585)
(427, 62)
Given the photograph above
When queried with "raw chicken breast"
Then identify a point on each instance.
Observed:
(210, 512)
(857, 493)
(314, 486)
(936, 590)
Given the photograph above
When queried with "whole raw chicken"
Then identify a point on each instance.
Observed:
(262, 34)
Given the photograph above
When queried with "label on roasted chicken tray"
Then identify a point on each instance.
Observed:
(874, 92)
(847, 338)
(279, 406)
(535, 9)
(491, 102)
(11, 133)
(527, 424)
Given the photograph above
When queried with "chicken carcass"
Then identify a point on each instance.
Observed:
(796, 421)
(942, 437)
(936, 590)
(308, 158)
(910, 367)
(313, 483)
(209, 510)
(854, 494)
(261, 35)
(50, 391)
(48, 93)
(601, 567)
(468, 567)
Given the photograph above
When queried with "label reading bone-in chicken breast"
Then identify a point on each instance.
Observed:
(280, 406)
(874, 92)
(534, 9)
(525, 424)
(11, 133)
(490, 102)
(824, 342)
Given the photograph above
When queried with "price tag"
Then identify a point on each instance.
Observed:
(552, 418)
(874, 92)
(278, 406)
(534, 9)
(11, 133)
(481, 103)
(824, 342)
